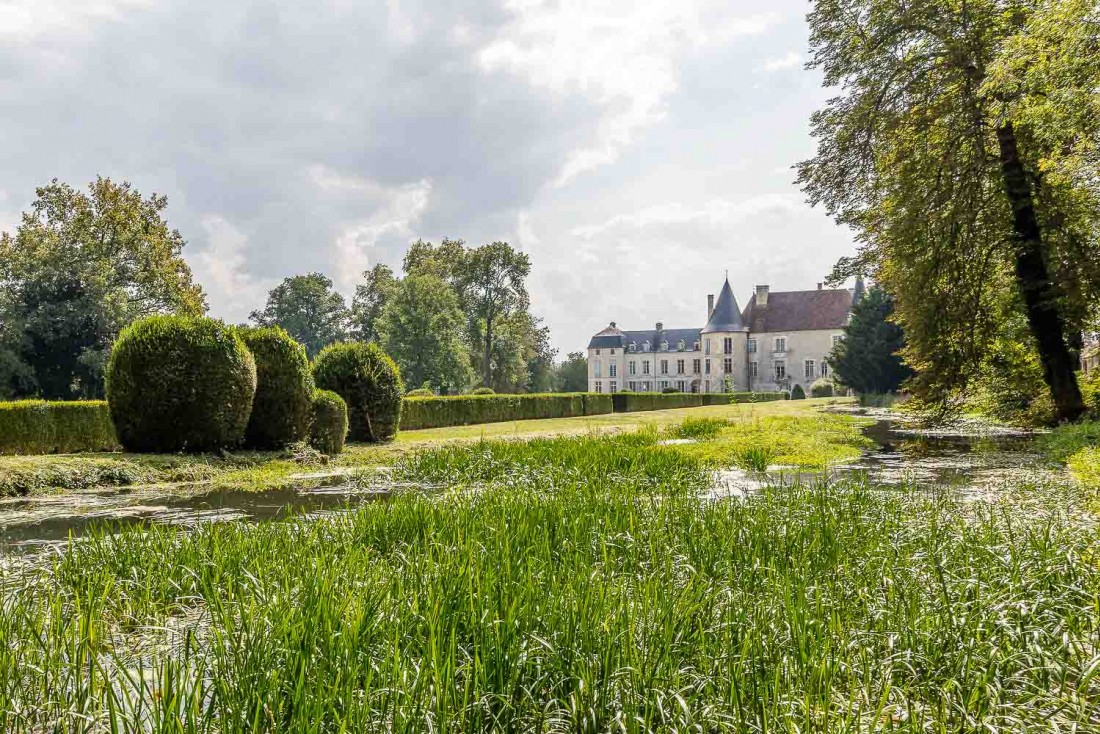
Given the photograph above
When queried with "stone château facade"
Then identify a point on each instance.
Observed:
(779, 340)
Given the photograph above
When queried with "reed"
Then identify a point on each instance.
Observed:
(570, 584)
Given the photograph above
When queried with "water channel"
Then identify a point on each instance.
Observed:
(968, 460)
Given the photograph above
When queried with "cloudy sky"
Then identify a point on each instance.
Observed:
(635, 149)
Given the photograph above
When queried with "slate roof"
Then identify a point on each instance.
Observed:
(615, 338)
(799, 311)
(726, 315)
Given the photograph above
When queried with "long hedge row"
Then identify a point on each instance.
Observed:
(463, 410)
(55, 427)
(630, 402)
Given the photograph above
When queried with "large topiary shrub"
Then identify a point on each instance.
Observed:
(369, 382)
(282, 408)
(797, 393)
(329, 426)
(180, 384)
(822, 389)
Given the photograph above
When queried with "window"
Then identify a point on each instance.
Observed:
(632, 367)
(708, 346)
(597, 352)
(596, 368)
(695, 366)
(613, 370)
(809, 369)
(837, 338)
(645, 347)
(664, 366)
(754, 369)
(632, 386)
(824, 368)
(680, 346)
(599, 386)
(645, 368)
(780, 369)
(706, 366)
(727, 365)
(664, 384)
(664, 346)
(695, 347)
(781, 344)
(680, 385)
(645, 386)
(752, 346)
(614, 386)
(679, 366)
(727, 345)
(633, 347)
(612, 352)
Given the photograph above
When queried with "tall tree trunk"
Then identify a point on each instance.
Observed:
(487, 378)
(1033, 281)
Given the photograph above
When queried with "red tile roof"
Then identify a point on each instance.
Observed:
(799, 311)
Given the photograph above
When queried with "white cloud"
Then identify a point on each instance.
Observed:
(356, 241)
(717, 212)
(27, 19)
(792, 60)
(624, 56)
(222, 269)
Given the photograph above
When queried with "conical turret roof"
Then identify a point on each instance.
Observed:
(726, 315)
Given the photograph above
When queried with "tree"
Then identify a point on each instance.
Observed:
(540, 359)
(422, 328)
(309, 309)
(572, 374)
(80, 267)
(370, 298)
(868, 358)
(445, 260)
(492, 284)
(955, 151)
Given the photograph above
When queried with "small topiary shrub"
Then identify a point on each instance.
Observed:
(420, 392)
(822, 389)
(483, 391)
(330, 422)
(283, 406)
(369, 382)
(797, 393)
(180, 384)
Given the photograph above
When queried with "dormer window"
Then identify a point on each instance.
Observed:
(633, 347)
(664, 346)
(645, 347)
(680, 346)
(695, 347)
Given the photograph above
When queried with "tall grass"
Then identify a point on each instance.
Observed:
(583, 587)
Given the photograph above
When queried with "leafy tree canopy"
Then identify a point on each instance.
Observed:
(370, 299)
(572, 374)
(80, 267)
(309, 309)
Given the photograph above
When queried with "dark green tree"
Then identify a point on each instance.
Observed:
(80, 267)
(308, 308)
(962, 150)
(370, 299)
(868, 358)
(572, 374)
(423, 329)
(493, 286)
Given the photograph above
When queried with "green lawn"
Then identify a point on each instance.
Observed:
(788, 432)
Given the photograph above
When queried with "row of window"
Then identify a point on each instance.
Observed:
(682, 385)
(780, 345)
(809, 368)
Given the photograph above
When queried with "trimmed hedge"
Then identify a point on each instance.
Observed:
(483, 391)
(463, 410)
(283, 406)
(180, 384)
(631, 402)
(41, 427)
(822, 389)
(329, 426)
(726, 398)
(369, 382)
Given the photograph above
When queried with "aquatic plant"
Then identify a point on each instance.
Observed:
(755, 458)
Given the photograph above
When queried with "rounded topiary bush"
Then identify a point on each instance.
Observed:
(822, 389)
(797, 393)
(282, 408)
(180, 384)
(483, 391)
(369, 382)
(329, 426)
(420, 392)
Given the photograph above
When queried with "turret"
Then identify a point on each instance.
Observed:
(727, 340)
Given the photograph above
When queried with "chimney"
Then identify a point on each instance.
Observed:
(761, 295)
(819, 286)
(612, 324)
(660, 326)
(710, 305)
